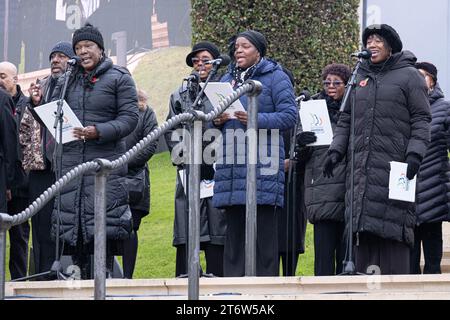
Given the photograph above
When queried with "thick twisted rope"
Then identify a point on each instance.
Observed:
(94, 166)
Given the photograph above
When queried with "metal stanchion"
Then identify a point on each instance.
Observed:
(194, 211)
(100, 230)
(252, 160)
(5, 225)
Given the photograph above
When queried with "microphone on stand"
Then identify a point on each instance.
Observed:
(74, 61)
(305, 95)
(222, 61)
(193, 77)
(364, 54)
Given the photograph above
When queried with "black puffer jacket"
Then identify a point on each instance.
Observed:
(324, 197)
(8, 147)
(147, 123)
(392, 120)
(432, 203)
(108, 100)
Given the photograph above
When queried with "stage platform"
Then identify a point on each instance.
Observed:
(403, 287)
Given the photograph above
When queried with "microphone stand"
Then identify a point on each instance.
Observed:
(192, 109)
(348, 264)
(56, 269)
(290, 196)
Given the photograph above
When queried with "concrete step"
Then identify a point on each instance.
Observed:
(338, 287)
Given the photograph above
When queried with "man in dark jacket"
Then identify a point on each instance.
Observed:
(8, 149)
(19, 235)
(432, 203)
(103, 97)
(39, 146)
(139, 179)
(392, 116)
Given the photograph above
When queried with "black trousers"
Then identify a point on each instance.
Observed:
(329, 248)
(267, 242)
(43, 245)
(18, 239)
(213, 257)
(429, 235)
(381, 256)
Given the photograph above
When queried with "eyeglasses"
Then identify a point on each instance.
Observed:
(335, 83)
(197, 60)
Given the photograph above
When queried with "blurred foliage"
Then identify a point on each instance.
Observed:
(303, 35)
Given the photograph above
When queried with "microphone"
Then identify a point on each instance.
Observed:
(74, 61)
(222, 61)
(364, 54)
(305, 95)
(193, 77)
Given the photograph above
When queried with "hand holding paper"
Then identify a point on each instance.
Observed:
(400, 187)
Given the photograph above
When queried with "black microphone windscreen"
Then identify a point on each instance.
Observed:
(225, 60)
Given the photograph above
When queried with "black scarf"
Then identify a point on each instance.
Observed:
(241, 75)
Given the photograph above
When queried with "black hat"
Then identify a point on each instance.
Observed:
(429, 68)
(202, 46)
(387, 32)
(88, 32)
(63, 47)
(257, 39)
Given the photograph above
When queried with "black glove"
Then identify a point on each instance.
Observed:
(413, 160)
(332, 160)
(305, 137)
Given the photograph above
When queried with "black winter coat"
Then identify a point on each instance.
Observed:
(432, 203)
(8, 147)
(324, 197)
(212, 220)
(392, 120)
(108, 100)
(147, 123)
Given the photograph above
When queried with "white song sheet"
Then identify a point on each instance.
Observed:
(217, 92)
(400, 188)
(314, 117)
(47, 113)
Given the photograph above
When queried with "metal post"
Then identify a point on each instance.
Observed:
(100, 230)
(252, 160)
(194, 211)
(5, 225)
(121, 47)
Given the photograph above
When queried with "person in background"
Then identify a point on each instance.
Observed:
(432, 202)
(38, 151)
(212, 220)
(18, 235)
(324, 197)
(392, 123)
(276, 113)
(139, 179)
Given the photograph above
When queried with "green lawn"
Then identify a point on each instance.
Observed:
(156, 256)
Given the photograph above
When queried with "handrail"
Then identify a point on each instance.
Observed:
(7, 221)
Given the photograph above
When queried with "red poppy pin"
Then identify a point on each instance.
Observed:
(94, 80)
(364, 82)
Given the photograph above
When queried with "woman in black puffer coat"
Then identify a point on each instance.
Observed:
(324, 197)
(392, 123)
(103, 97)
(432, 203)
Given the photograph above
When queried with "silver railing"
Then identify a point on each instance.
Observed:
(102, 167)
